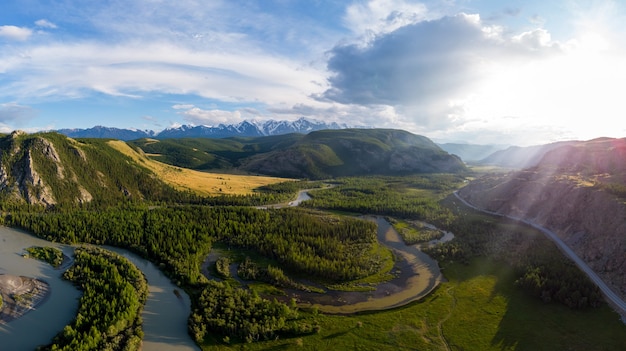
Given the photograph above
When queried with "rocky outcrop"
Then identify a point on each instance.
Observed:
(30, 184)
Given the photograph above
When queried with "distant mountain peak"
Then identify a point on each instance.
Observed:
(245, 128)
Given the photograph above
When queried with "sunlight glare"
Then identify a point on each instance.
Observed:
(577, 92)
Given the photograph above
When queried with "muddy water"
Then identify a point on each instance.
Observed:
(164, 316)
(418, 276)
(166, 312)
(40, 325)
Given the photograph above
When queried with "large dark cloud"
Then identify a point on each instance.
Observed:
(423, 65)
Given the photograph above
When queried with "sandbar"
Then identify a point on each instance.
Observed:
(20, 295)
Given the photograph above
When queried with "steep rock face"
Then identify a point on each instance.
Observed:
(32, 187)
(589, 220)
(32, 167)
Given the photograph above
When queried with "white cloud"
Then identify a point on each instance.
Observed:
(431, 70)
(132, 69)
(183, 106)
(383, 16)
(44, 23)
(15, 33)
(537, 39)
(197, 116)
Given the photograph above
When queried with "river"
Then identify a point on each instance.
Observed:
(418, 275)
(164, 315)
(38, 326)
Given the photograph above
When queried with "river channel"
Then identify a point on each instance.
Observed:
(164, 317)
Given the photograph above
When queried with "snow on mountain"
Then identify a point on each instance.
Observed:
(245, 129)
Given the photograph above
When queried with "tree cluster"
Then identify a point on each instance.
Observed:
(239, 313)
(386, 196)
(51, 255)
(109, 312)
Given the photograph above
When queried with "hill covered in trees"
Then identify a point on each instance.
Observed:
(317, 155)
(51, 169)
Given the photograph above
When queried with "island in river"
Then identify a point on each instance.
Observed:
(20, 294)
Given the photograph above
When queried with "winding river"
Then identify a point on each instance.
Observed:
(164, 316)
(165, 313)
(418, 276)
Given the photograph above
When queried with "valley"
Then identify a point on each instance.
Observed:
(321, 270)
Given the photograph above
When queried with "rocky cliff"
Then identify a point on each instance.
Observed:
(49, 169)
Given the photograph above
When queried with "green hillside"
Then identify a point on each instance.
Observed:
(51, 169)
(320, 154)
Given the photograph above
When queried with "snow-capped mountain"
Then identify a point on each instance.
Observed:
(244, 129)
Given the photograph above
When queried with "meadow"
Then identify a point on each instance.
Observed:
(201, 183)
(479, 308)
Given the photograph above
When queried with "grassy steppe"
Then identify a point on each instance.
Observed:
(202, 183)
(479, 308)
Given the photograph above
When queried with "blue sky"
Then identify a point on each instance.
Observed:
(509, 72)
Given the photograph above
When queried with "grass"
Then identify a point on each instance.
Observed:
(202, 183)
(477, 309)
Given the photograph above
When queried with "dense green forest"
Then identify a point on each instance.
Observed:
(242, 314)
(414, 197)
(178, 235)
(109, 312)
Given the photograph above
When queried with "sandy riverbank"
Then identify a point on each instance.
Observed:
(20, 295)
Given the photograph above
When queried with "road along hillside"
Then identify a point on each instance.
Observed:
(612, 298)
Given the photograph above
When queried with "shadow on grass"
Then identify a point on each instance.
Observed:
(530, 324)
(337, 334)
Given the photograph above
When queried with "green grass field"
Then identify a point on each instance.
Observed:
(479, 308)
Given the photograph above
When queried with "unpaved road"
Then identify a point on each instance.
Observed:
(613, 299)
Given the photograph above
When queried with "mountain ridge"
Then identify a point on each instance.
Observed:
(244, 128)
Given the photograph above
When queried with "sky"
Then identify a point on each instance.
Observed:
(481, 72)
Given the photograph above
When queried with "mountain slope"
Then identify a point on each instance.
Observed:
(107, 133)
(577, 190)
(520, 157)
(471, 152)
(50, 169)
(350, 152)
(319, 154)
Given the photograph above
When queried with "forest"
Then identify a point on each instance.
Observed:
(325, 246)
